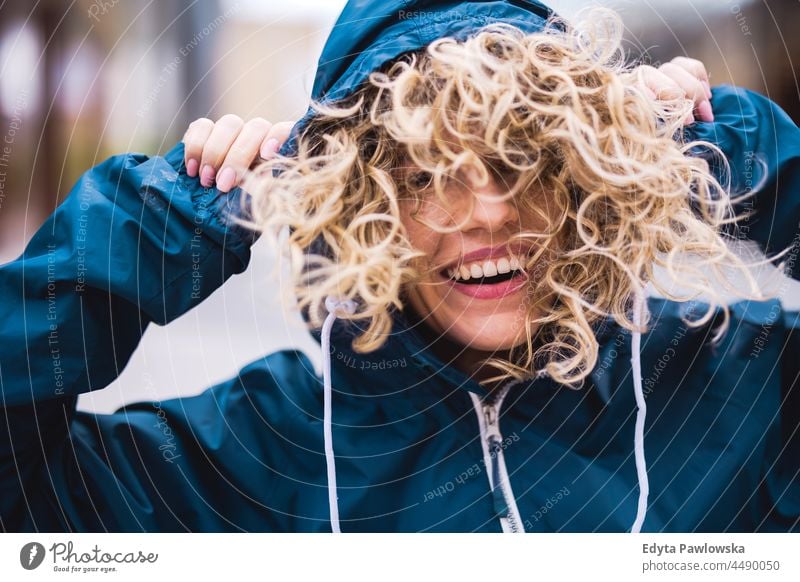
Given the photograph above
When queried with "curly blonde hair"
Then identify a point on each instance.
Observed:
(558, 111)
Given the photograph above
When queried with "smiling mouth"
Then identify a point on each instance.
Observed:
(485, 272)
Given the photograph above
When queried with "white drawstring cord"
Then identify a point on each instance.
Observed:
(335, 307)
(636, 364)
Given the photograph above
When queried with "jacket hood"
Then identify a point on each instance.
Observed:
(369, 34)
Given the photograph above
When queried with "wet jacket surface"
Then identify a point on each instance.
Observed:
(137, 242)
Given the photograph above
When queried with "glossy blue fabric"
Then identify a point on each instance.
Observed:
(125, 249)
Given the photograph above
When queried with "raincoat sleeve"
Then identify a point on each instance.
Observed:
(135, 241)
(762, 145)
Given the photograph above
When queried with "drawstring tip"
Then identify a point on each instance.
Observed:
(339, 307)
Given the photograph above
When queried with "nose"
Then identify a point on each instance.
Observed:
(492, 209)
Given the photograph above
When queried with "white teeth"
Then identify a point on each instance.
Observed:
(488, 268)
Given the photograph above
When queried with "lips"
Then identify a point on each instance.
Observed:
(491, 290)
(487, 273)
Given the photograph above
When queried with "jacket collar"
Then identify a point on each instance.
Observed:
(420, 365)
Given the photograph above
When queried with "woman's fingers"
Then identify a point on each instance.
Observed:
(222, 152)
(660, 85)
(193, 140)
(276, 137)
(241, 154)
(698, 70)
(683, 78)
(695, 68)
(225, 132)
(690, 84)
(693, 88)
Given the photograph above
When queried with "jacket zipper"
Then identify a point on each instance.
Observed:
(492, 442)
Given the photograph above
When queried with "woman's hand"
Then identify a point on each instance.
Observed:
(221, 152)
(682, 77)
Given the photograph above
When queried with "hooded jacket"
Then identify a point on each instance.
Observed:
(413, 443)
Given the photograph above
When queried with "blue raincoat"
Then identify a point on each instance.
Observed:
(418, 445)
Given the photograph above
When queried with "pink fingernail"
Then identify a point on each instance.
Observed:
(226, 179)
(207, 173)
(704, 111)
(191, 167)
(269, 149)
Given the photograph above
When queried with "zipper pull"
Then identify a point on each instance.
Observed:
(493, 443)
(490, 416)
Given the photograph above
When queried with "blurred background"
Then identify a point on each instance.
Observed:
(83, 80)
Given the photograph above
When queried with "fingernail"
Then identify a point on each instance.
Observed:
(707, 87)
(269, 149)
(191, 168)
(207, 176)
(226, 179)
(704, 111)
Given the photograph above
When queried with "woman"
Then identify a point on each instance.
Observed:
(471, 211)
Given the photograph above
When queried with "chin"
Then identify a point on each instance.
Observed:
(495, 332)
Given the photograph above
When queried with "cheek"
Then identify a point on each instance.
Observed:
(421, 295)
(421, 236)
